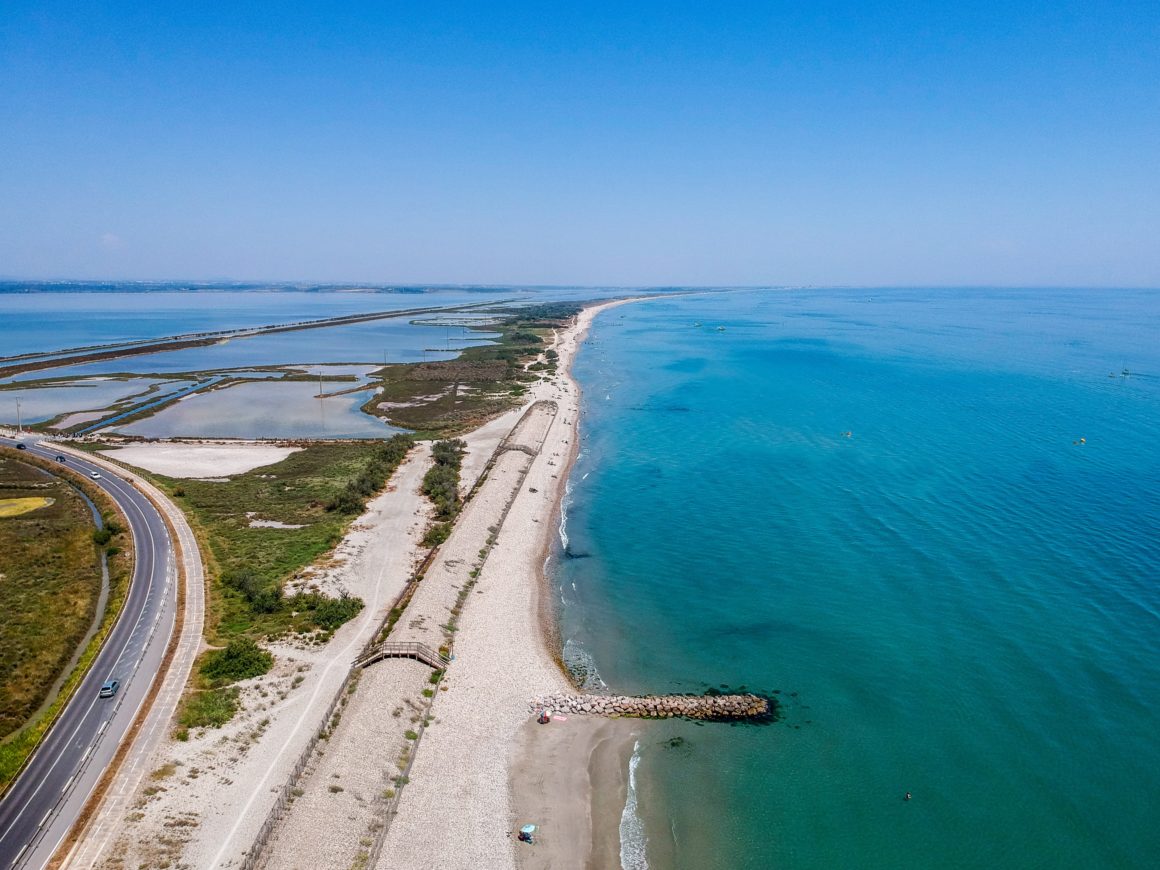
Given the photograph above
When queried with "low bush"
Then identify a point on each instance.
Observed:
(211, 709)
(240, 660)
(441, 482)
(437, 534)
(353, 499)
(329, 614)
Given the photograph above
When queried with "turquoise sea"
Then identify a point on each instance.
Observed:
(930, 520)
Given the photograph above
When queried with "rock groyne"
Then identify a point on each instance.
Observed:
(721, 708)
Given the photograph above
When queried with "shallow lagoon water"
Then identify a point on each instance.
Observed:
(958, 599)
(54, 320)
(44, 403)
(59, 318)
(398, 341)
(265, 410)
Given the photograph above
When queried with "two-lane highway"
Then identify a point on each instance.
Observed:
(44, 802)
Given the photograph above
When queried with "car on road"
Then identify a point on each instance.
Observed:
(21, 446)
(95, 475)
(60, 459)
(109, 689)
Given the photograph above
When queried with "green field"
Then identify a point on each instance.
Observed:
(50, 577)
(50, 580)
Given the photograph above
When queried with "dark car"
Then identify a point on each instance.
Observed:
(60, 459)
(109, 689)
(21, 447)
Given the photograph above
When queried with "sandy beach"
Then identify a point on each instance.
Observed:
(482, 756)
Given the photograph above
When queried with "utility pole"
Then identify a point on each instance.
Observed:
(19, 422)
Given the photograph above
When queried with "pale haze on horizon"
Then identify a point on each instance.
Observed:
(831, 143)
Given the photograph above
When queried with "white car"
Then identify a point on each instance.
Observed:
(95, 475)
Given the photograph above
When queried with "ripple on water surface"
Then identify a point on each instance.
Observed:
(958, 599)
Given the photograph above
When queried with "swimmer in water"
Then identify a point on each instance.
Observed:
(907, 796)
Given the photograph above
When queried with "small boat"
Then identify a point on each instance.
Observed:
(720, 328)
(697, 324)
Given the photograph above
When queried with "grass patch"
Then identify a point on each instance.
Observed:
(212, 708)
(51, 576)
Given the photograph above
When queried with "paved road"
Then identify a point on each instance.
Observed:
(41, 806)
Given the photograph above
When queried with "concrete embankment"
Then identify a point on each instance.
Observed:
(708, 707)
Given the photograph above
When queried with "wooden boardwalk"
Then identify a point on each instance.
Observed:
(402, 650)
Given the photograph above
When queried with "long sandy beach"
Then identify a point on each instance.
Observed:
(484, 767)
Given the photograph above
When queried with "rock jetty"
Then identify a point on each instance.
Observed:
(707, 707)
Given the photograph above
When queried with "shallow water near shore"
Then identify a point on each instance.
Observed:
(928, 519)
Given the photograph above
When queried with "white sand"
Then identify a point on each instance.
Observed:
(200, 460)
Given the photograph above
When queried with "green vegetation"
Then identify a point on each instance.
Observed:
(384, 461)
(320, 489)
(448, 397)
(239, 660)
(209, 709)
(441, 485)
(50, 575)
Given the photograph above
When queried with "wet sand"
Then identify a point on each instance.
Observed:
(570, 779)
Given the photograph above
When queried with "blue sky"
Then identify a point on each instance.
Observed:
(778, 143)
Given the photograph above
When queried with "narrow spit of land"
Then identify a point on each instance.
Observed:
(347, 794)
(14, 365)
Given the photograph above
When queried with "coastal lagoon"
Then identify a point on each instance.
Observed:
(288, 409)
(36, 318)
(372, 341)
(42, 403)
(928, 520)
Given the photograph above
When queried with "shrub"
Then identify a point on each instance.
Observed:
(327, 613)
(353, 499)
(240, 660)
(437, 534)
(441, 482)
(261, 595)
(334, 612)
(211, 709)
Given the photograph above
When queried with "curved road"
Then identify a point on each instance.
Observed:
(44, 802)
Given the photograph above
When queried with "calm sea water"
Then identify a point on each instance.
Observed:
(931, 521)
